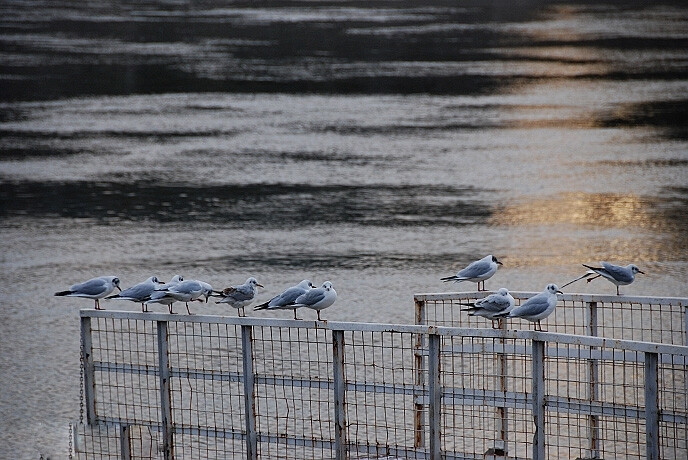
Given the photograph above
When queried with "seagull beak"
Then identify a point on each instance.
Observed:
(499, 263)
(260, 285)
(120, 289)
(559, 292)
(639, 271)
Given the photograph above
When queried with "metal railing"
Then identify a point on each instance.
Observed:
(649, 319)
(176, 386)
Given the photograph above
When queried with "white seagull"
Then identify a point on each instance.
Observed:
(286, 299)
(317, 299)
(537, 308)
(160, 293)
(617, 274)
(239, 296)
(494, 304)
(477, 271)
(95, 288)
(186, 291)
(139, 293)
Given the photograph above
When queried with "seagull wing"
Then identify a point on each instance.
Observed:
(533, 306)
(494, 303)
(618, 273)
(310, 298)
(475, 269)
(95, 286)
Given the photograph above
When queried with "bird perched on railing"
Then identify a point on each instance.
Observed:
(139, 293)
(494, 304)
(617, 274)
(186, 291)
(477, 271)
(239, 296)
(159, 295)
(95, 288)
(537, 308)
(286, 299)
(316, 299)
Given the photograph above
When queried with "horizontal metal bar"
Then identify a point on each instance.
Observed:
(630, 345)
(582, 353)
(522, 295)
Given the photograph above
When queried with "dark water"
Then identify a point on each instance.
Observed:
(380, 145)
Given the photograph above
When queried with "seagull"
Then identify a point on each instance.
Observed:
(537, 308)
(186, 291)
(139, 293)
(617, 274)
(498, 303)
(287, 298)
(477, 271)
(239, 296)
(316, 299)
(159, 295)
(95, 288)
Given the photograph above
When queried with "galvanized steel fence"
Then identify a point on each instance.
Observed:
(165, 386)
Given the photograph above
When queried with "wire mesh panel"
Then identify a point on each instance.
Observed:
(380, 393)
(649, 319)
(486, 393)
(160, 386)
(294, 402)
(206, 390)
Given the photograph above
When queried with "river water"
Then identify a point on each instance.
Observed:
(378, 145)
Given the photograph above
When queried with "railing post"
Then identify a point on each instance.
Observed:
(89, 370)
(340, 430)
(593, 385)
(435, 396)
(124, 442)
(539, 399)
(652, 405)
(165, 399)
(249, 393)
(501, 448)
(419, 378)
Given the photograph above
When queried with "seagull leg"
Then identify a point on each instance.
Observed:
(187, 308)
(170, 307)
(143, 307)
(98, 305)
(295, 314)
(617, 290)
(319, 316)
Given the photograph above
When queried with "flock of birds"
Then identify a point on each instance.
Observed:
(501, 304)
(495, 306)
(151, 291)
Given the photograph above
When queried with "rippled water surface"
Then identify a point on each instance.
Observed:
(379, 145)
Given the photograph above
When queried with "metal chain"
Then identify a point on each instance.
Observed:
(71, 439)
(81, 384)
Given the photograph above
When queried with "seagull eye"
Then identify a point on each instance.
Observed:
(116, 281)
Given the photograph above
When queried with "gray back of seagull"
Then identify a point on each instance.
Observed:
(287, 297)
(311, 297)
(621, 274)
(242, 293)
(94, 286)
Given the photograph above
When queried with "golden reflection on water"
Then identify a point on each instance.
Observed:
(571, 228)
(605, 210)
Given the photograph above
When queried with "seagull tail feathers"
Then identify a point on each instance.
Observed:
(262, 306)
(63, 293)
